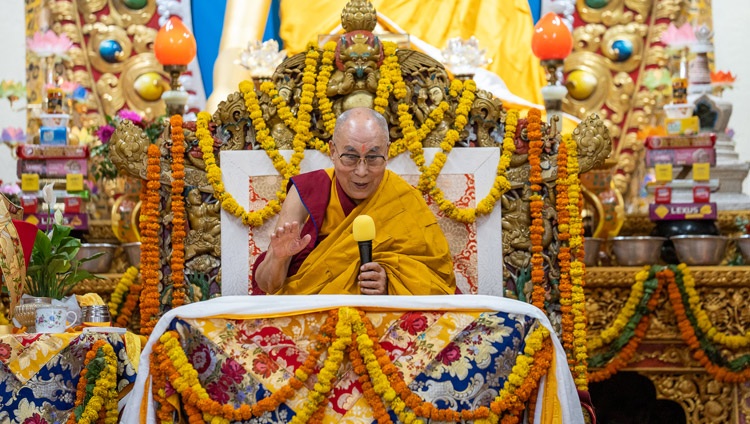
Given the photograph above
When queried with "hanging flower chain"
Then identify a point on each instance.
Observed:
(380, 378)
(177, 260)
(97, 387)
(534, 133)
(577, 266)
(121, 290)
(150, 243)
(563, 256)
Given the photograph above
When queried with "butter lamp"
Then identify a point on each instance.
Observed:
(552, 42)
(175, 48)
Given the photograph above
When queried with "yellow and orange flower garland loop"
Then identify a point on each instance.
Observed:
(121, 290)
(577, 266)
(534, 134)
(177, 260)
(150, 301)
(102, 405)
(315, 83)
(352, 330)
(704, 323)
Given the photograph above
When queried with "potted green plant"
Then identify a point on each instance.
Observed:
(53, 268)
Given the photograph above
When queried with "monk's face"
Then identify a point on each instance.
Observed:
(362, 166)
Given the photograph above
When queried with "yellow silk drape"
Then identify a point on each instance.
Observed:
(503, 27)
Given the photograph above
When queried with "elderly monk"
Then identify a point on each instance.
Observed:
(312, 250)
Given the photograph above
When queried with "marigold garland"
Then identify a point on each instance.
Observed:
(101, 401)
(735, 371)
(131, 301)
(173, 363)
(380, 378)
(315, 83)
(630, 325)
(563, 256)
(626, 353)
(150, 261)
(121, 290)
(704, 323)
(577, 266)
(534, 134)
(177, 260)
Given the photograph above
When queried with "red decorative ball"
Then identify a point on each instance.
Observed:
(552, 38)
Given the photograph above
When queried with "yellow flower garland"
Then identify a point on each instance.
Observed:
(704, 323)
(577, 267)
(122, 288)
(104, 392)
(624, 315)
(315, 83)
(350, 324)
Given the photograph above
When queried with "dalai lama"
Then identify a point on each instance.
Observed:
(312, 250)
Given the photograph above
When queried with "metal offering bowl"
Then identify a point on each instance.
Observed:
(637, 251)
(100, 264)
(743, 242)
(592, 245)
(700, 249)
(133, 251)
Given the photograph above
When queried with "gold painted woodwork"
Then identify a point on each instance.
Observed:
(663, 357)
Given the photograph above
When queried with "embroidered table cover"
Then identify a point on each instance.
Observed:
(39, 374)
(453, 351)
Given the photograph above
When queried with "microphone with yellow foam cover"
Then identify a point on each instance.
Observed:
(363, 231)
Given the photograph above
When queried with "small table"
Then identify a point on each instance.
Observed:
(39, 372)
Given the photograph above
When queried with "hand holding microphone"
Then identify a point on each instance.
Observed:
(372, 277)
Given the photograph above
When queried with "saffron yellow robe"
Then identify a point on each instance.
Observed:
(408, 244)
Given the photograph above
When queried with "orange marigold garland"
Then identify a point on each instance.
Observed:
(534, 133)
(372, 364)
(627, 352)
(150, 244)
(177, 261)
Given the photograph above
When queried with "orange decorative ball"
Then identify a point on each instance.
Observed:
(552, 38)
(174, 44)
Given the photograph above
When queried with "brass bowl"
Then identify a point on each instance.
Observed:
(700, 249)
(638, 250)
(591, 246)
(743, 242)
(100, 264)
(133, 251)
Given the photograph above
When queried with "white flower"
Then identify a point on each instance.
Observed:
(50, 198)
(58, 216)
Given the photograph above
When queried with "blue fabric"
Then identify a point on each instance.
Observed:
(49, 396)
(208, 20)
(536, 9)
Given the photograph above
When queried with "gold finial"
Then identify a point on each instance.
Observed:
(359, 15)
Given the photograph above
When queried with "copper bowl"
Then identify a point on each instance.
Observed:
(638, 250)
(700, 249)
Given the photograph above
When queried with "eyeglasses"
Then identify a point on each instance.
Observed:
(371, 161)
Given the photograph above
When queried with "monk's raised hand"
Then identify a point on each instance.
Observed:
(373, 279)
(286, 242)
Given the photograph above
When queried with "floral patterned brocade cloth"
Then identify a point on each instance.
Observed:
(457, 360)
(39, 374)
